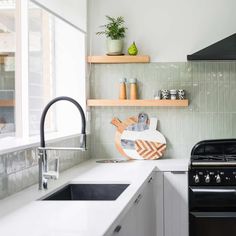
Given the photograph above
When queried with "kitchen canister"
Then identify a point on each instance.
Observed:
(165, 94)
(133, 89)
(173, 94)
(181, 94)
(122, 92)
(157, 94)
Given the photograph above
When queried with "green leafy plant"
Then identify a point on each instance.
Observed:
(115, 28)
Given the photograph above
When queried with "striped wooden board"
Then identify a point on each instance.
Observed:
(150, 150)
(135, 143)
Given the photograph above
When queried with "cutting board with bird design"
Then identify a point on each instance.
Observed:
(138, 138)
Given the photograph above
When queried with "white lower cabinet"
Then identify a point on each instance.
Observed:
(127, 226)
(140, 220)
(160, 208)
(175, 203)
(159, 203)
(145, 210)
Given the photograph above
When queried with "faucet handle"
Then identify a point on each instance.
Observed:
(57, 165)
(53, 174)
(82, 142)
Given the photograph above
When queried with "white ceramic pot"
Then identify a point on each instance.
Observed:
(114, 46)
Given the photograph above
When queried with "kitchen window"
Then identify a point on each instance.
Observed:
(7, 67)
(50, 62)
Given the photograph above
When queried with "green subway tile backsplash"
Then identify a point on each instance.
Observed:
(19, 169)
(210, 87)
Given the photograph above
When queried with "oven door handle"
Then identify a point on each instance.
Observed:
(214, 190)
(213, 214)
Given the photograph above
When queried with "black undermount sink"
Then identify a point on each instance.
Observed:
(87, 192)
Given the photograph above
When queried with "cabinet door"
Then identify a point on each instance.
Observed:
(159, 203)
(146, 210)
(140, 220)
(127, 226)
(175, 204)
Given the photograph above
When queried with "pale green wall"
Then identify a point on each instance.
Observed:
(211, 89)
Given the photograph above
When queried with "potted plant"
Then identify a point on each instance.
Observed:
(114, 32)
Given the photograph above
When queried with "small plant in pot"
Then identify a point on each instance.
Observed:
(115, 33)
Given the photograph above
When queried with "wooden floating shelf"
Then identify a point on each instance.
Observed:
(3, 55)
(136, 103)
(118, 59)
(7, 103)
(6, 54)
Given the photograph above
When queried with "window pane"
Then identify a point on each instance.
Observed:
(70, 74)
(41, 78)
(7, 68)
(56, 68)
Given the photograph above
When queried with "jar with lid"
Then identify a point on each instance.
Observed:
(133, 89)
(122, 92)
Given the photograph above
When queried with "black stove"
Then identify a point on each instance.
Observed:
(213, 162)
(212, 188)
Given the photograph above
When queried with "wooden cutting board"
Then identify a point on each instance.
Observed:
(136, 140)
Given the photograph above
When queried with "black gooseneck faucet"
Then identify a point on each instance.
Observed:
(44, 174)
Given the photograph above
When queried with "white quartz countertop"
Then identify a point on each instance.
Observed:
(23, 215)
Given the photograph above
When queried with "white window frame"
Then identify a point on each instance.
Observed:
(21, 71)
(22, 139)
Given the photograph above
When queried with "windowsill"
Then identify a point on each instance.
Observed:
(12, 144)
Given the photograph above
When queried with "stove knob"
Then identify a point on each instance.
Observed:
(218, 179)
(196, 178)
(207, 179)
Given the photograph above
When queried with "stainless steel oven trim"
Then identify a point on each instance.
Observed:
(221, 164)
(215, 189)
(214, 214)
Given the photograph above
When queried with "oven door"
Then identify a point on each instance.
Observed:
(212, 199)
(212, 223)
(212, 211)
